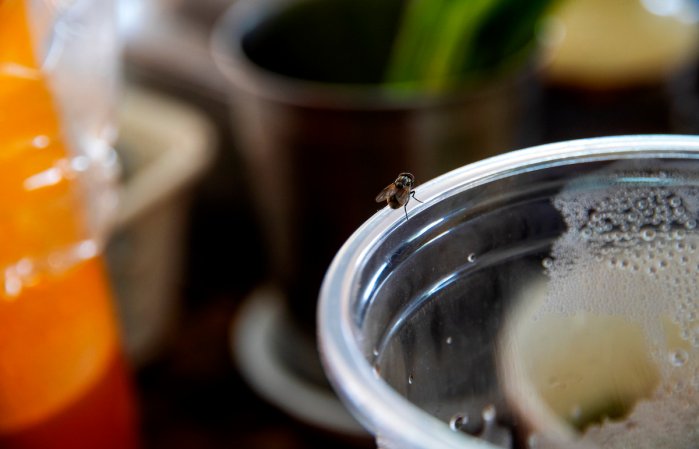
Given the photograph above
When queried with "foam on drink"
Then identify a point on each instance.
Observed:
(611, 342)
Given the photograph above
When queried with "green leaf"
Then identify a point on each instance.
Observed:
(444, 42)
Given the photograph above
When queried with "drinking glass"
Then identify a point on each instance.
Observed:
(63, 382)
(541, 298)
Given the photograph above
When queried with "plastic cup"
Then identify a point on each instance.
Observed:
(449, 329)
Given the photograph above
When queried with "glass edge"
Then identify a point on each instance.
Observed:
(372, 401)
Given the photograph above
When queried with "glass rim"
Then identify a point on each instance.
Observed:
(380, 408)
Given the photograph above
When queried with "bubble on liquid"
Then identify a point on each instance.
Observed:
(648, 235)
(456, 422)
(471, 257)
(630, 250)
(411, 378)
(470, 424)
(678, 357)
(449, 340)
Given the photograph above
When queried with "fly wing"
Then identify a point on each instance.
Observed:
(385, 193)
(402, 196)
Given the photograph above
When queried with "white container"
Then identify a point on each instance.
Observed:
(164, 146)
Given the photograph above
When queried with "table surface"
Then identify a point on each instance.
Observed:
(193, 397)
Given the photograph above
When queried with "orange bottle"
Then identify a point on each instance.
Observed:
(63, 383)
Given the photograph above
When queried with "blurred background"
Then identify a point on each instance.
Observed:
(255, 135)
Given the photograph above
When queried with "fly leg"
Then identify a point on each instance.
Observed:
(412, 193)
